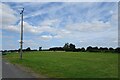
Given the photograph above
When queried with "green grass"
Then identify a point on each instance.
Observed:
(69, 64)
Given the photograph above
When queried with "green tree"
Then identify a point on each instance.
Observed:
(40, 48)
(72, 47)
(69, 47)
(66, 46)
(28, 49)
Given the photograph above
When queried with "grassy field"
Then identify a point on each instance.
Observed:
(69, 64)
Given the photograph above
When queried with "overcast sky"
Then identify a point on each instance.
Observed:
(53, 24)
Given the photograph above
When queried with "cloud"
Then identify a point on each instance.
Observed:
(46, 37)
(8, 15)
(61, 1)
(94, 26)
(29, 43)
(49, 9)
(29, 28)
(12, 28)
(50, 22)
(46, 26)
(49, 37)
(58, 36)
(114, 18)
(69, 9)
(56, 23)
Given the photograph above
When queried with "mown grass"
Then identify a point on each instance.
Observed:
(69, 64)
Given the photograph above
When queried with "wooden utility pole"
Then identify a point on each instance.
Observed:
(21, 35)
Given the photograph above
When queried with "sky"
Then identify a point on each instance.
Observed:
(52, 24)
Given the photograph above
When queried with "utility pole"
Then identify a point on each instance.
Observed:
(21, 35)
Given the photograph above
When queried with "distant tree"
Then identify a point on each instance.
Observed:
(117, 50)
(28, 49)
(56, 49)
(83, 49)
(69, 47)
(103, 49)
(66, 46)
(72, 47)
(19, 50)
(106, 49)
(40, 48)
(89, 49)
(95, 49)
(77, 50)
(92, 49)
(52, 49)
(111, 49)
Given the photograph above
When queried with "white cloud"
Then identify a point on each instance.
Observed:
(62, 33)
(114, 18)
(73, 31)
(45, 27)
(30, 28)
(8, 15)
(29, 43)
(52, 9)
(94, 26)
(49, 22)
(58, 36)
(49, 37)
(46, 37)
(12, 28)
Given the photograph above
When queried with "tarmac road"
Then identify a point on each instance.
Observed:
(12, 71)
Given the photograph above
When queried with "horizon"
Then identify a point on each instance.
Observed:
(49, 24)
(61, 47)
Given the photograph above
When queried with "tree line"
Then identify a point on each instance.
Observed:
(69, 47)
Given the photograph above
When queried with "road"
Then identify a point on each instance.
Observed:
(12, 71)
